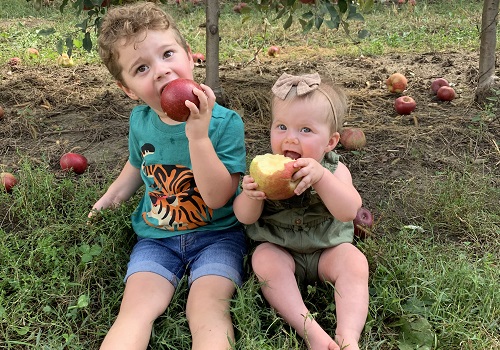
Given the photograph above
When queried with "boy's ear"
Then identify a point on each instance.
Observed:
(332, 142)
(129, 92)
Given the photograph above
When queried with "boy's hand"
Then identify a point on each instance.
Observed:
(310, 171)
(199, 120)
(249, 187)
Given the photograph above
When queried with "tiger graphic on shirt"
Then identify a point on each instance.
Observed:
(176, 203)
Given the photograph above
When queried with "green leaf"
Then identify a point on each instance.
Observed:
(288, 22)
(318, 22)
(363, 34)
(83, 301)
(416, 333)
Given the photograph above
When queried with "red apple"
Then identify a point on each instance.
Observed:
(404, 105)
(240, 6)
(8, 181)
(174, 96)
(437, 83)
(396, 82)
(446, 93)
(198, 57)
(273, 175)
(362, 223)
(14, 61)
(273, 51)
(73, 161)
(352, 139)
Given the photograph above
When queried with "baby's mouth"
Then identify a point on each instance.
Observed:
(291, 154)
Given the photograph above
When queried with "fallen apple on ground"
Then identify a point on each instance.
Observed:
(362, 223)
(396, 82)
(174, 96)
(73, 161)
(352, 139)
(240, 6)
(32, 52)
(65, 61)
(14, 61)
(273, 51)
(273, 175)
(446, 93)
(198, 57)
(437, 83)
(8, 181)
(404, 105)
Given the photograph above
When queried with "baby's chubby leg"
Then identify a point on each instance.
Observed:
(347, 268)
(275, 268)
(146, 297)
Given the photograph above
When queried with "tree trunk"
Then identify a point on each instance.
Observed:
(212, 47)
(487, 79)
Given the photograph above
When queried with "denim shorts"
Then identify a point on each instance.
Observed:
(199, 253)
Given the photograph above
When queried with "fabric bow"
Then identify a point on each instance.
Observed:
(304, 84)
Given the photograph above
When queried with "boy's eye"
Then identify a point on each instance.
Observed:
(168, 54)
(142, 68)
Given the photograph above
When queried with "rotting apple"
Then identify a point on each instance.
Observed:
(273, 51)
(446, 93)
(14, 61)
(396, 82)
(8, 181)
(362, 223)
(352, 139)
(437, 83)
(73, 161)
(273, 175)
(174, 96)
(198, 57)
(404, 105)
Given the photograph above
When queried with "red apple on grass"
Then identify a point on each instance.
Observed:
(273, 175)
(352, 139)
(240, 6)
(198, 57)
(396, 82)
(8, 181)
(14, 61)
(73, 161)
(362, 223)
(174, 96)
(437, 83)
(446, 93)
(32, 52)
(404, 105)
(273, 51)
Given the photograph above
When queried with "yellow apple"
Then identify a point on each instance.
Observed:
(65, 61)
(273, 175)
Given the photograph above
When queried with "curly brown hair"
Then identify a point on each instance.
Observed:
(131, 23)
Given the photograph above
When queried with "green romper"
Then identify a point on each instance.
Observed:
(304, 226)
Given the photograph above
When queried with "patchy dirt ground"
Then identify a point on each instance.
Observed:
(52, 110)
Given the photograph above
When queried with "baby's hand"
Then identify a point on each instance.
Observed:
(310, 171)
(250, 188)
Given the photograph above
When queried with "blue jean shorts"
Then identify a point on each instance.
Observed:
(199, 253)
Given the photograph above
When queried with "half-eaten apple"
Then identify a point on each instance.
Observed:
(273, 174)
(362, 223)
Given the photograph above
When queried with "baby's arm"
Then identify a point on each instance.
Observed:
(336, 190)
(125, 185)
(249, 204)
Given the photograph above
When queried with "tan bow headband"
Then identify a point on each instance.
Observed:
(304, 84)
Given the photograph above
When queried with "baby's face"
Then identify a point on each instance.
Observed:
(301, 130)
(150, 62)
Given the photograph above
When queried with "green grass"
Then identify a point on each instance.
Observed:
(434, 263)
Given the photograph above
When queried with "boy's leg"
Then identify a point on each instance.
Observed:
(208, 312)
(146, 297)
(347, 268)
(275, 268)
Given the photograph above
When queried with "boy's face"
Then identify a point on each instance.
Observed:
(301, 129)
(149, 64)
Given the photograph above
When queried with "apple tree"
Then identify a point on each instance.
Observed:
(488, 82)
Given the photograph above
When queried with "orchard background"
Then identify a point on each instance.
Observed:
(431, 179)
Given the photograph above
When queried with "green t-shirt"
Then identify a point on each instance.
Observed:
(302, 223)
(172, 204)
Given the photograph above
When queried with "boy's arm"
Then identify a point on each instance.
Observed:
(125, 185)
(249, 204)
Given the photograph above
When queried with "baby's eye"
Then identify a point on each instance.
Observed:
(168, 54)
(305, 129)
(281, 127)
